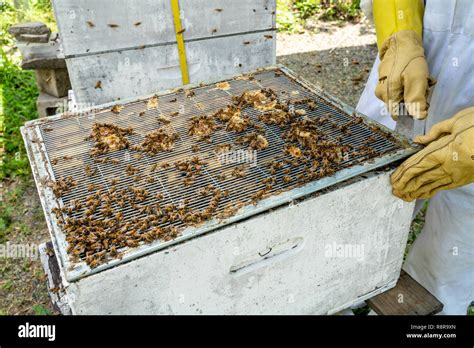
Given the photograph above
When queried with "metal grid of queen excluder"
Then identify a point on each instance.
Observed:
(57, 148)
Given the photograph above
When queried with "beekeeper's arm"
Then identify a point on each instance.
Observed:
(403, 71)
(446, 162)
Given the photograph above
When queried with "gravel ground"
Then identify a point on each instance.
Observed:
(336, 58)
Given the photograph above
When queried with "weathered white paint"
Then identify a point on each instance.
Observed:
(222, 38)
(223, 272)
(84, 24)
(134, 73)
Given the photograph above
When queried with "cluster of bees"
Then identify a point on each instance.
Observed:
(190, 168)
(100, 233)
(254, 140)
(161, 139)
(96, 229)
(202, 127)
(108, 138)
(62, 185)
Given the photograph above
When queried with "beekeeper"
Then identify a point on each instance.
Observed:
(421, 43)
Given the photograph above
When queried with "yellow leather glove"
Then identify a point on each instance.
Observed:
(445, 163)
(403, 71)
(404, 75)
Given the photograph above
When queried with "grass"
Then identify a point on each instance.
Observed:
(22, 284)
(18, 93)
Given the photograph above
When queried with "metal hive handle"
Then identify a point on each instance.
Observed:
(268, 256)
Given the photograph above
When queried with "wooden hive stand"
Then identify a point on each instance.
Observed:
(408, 297)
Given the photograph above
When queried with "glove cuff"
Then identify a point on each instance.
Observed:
(405, 38)
(393, 16)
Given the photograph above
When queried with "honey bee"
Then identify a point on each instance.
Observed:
(257, 196)
(113, 251)
(92, 187)
(268, 180)
(326, 171)
(92, 262)
(107, 210)
(188, 181)
(145, 210)
(150, 180)
(312, 105)
(89, 212)
(131, 170)
(89, 171)
(239, 172)
(189, 93)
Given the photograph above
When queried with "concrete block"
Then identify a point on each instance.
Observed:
(49, 105)
(32, 28)
(42, 55)
(43, 38)
(53, 81)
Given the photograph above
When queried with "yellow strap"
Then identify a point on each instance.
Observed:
(180, 41)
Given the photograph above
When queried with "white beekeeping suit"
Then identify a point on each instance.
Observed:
(442, 257)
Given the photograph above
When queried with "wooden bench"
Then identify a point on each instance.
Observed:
(407, 298)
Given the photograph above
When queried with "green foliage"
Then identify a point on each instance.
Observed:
(40, 310)
(292, 14)
(306, 8)
(18, 93)
(286, 20)
(11, 210)
(345, 10)
(27, 11)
